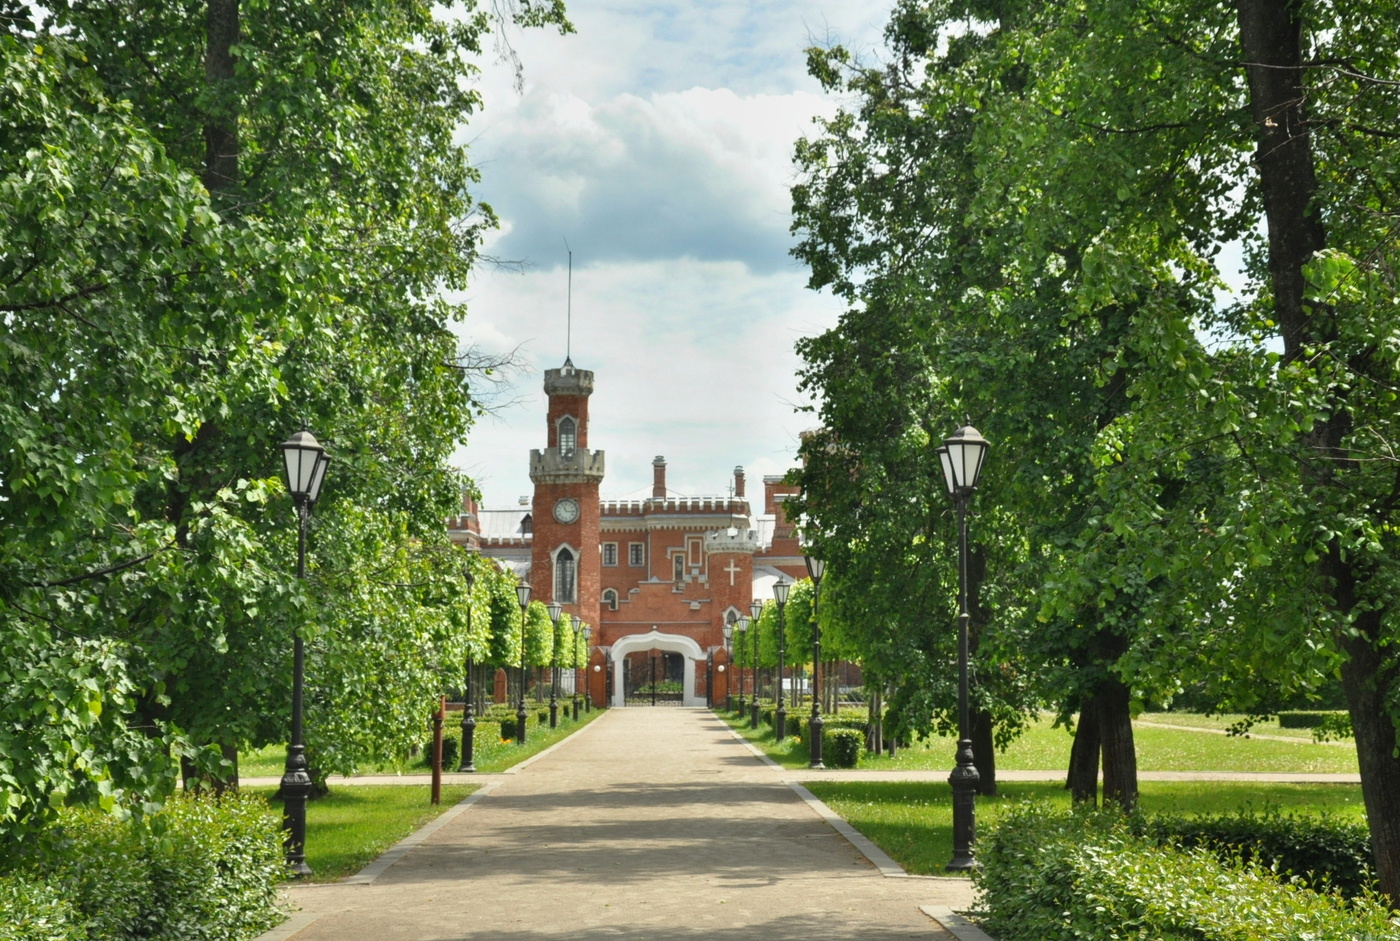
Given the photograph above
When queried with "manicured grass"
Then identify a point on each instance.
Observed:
(913, 821)
(352, 825)
(1222, 722)
(1044, 748)
(492, 755)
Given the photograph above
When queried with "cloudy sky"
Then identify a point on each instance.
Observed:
(657, 142)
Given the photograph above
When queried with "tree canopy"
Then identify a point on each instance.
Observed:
(223, 223)
(1033, 209)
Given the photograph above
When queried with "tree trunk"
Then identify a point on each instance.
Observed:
(1120, 781)
(221, 122)
(1272, 47)
(1083, 779)
(1271, 42)
(984, 755)
(874, 710)
(1369, 682)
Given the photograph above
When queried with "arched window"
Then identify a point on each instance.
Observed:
(610, 599)
(568, 437)
(564, 576)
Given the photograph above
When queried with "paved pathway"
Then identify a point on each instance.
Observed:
(648, 825)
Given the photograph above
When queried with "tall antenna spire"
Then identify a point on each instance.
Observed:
(569, 323)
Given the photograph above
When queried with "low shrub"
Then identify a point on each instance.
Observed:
(842, 747)
(1300, 720)
(1086, 876)
(199, 870)
(508, 722)
(33, 911)
(1324, 852)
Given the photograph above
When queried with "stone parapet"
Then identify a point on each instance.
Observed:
(738, 541)
(551, 466)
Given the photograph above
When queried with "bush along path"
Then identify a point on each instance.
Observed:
(1090, 875)
(198, 868)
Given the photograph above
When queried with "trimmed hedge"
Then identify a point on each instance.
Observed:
(33, 911)
(842, 747)
(1323, 852)
(1085, 876)
(199, 870)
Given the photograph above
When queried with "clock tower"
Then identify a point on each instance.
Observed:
(564, 557)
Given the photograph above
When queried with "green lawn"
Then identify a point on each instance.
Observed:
(913, 822)
(1043, 748)
(489, 756)
(351, 826)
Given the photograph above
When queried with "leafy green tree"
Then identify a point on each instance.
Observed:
(1236, 515)
(229, 222)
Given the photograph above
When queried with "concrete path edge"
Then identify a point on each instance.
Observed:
(296, 921)
(955, 924)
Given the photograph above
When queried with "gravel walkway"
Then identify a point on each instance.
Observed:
(649, 824)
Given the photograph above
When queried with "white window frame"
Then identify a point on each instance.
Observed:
(637, 554)
(613, 547)
(572, 437)
(573, 561)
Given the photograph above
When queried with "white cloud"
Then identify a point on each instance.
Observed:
(700, 173)
(685, 367)
(657, 141)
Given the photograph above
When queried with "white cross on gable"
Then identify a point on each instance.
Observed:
(732, 569)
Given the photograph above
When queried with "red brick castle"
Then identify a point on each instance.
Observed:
(657, 579)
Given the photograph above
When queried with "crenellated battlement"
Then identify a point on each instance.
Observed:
(551, 466)
(738, 541)
(697, 505)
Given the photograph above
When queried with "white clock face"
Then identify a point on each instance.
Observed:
(566, 510)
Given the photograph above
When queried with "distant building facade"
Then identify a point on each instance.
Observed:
(657, 579)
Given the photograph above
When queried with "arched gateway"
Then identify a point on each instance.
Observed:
(671, 643)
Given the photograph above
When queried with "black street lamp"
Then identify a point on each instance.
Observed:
(742, 626)
(729, 659)
(962, 455)
(578, 626)
(467, 763)
(522, 593)
(780, 594)
(653, 677)
(587, 655)
(555, 609)
(305, 463)
(755, 612)
(815, 568)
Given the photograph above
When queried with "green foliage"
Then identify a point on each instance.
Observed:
(1196, 490)
(1323, 852)
(165, 326)
(842, 747)
(199, 869)
(1085, 876)
(32, 910)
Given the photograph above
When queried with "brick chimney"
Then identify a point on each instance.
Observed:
(739, 483)
(658, 478)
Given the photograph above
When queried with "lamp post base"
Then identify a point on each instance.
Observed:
(295, 790)
(964, 780)
(553, 713)
(468, 763)
(815, 728)
(520, 724)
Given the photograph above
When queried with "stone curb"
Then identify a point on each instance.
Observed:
(863, 845)
(299, 920)
(394, 853)
(878, 858)
(955, 924)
